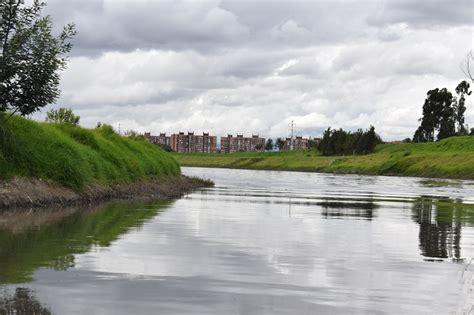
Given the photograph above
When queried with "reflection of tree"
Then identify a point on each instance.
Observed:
(62, 263)
(22, 302)
(355, 209)
(440, 228)
(55, 244)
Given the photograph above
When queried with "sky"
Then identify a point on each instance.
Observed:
(253, 66)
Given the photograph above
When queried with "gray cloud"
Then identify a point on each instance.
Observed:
(127, 25)
(252, 66)
(426, 14)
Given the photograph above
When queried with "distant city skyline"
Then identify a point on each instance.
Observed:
(205, 142)
(245, 134)
(226, 66)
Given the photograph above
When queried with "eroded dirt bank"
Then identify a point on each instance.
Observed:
(37, 193)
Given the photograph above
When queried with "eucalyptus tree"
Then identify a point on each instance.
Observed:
(460, 106)
(437, 115)
(443, 113)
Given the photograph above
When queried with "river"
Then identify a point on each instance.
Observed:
(260, 242)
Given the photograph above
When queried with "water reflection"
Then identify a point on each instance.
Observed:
(440, 227)
(259, 242)
(22, 301)
(348, 209)
(51, 239)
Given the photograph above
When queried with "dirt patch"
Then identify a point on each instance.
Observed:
(36, 193)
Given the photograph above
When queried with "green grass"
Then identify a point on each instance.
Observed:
(449, 158)
(75, 157)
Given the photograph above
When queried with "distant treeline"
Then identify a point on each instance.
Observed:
(341, 142)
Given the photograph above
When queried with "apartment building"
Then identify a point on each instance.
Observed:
(207, 143)
(298, 143)
(162, 139)
(231, 144)
(189, 143)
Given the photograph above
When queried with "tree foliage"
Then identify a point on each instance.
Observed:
(443, 114)
(62, 116)
(165, 147)
(280, 144)
(312, 143)
(131, 133)
(460, 107)
(269, 145)
(30, 57)
(341, 142)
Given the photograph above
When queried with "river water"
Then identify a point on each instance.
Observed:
(260, 242)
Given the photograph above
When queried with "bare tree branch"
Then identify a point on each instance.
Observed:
(467, 66)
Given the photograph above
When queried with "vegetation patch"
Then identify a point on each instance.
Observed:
(449, 158)
(389, 166)
(75, 157)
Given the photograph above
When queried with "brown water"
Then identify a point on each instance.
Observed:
(260, 242)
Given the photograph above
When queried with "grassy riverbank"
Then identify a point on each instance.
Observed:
(47, 164)
(75, 157)
(449, 158)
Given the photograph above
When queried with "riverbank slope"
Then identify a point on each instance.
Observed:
(46, 163)
(449, 158)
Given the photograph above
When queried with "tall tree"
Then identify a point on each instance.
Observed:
(312, 143)
(31, 57)
(437, 115)
(444, 113)
(447, 123)
(280, 144)
(325, 143)
(269, 144)
(371, 139)
(422, 135)
(460, 106)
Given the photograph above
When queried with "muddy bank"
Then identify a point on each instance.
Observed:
(37, 193)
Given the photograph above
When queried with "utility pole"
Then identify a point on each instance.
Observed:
(119, 130)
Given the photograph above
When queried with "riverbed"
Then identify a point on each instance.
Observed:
(259, 242)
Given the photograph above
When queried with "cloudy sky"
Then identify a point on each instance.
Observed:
(253, 66)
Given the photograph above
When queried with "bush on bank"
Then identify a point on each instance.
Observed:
(75, 157)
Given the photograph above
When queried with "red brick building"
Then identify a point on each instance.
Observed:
(191, 143)
(231, 144)
(162, 139)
